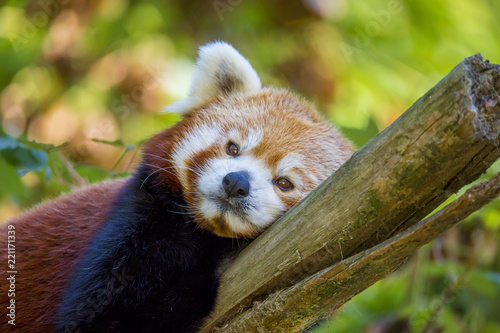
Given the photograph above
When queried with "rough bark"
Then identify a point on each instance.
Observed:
(299, 307)
(446, 140)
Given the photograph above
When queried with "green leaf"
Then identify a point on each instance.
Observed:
(11, 183)
(22, 157)
(361, 136)
(8, 142)
(116, 143)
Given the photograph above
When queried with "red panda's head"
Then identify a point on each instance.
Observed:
(243, 154)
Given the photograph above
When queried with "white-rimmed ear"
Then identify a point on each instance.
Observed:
(220, 71)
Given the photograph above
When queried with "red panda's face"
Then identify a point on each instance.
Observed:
(242, 159)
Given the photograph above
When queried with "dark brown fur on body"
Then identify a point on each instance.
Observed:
(50, 239)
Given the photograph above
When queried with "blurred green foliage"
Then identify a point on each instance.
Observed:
(82, 84)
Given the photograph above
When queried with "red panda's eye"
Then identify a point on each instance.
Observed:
(284, 184)
(232, 149)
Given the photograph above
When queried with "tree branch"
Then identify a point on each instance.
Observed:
(299, 307)
(447, 139)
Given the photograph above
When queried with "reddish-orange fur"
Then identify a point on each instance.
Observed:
(50, 239)
(272, 111)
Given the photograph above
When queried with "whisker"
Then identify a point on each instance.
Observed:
(160, 169)
(179, 213)
(160, 157)
(148, 177)
(180, 205)
(172, 161)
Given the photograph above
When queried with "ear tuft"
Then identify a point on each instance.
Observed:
(220, 71)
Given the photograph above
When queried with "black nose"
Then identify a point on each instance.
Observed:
(236, 185)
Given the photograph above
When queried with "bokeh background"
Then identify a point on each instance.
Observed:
(83, 83)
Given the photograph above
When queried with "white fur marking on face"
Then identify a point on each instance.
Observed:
(197, 140)
(264, 205)
(252, 140)
(286, 166)
(287, 163)
(248, 142)
(235, 224)
(209, 208)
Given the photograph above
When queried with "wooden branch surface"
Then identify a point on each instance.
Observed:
(447, 139)
(299, 307)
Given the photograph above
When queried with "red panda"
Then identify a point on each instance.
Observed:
(142, 254)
